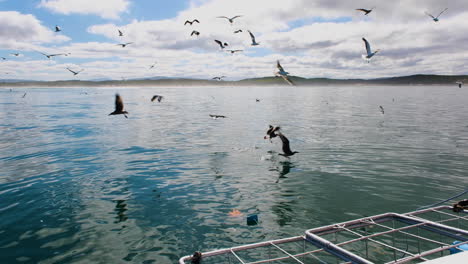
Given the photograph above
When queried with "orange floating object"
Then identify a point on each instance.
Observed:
(235, 213)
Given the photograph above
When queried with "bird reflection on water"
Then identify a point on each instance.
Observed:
(285, 169)
(120, 209)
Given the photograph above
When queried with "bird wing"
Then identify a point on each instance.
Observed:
(193, 32)
(429, 15)
(223, 17)
(252, 36)
(154, 98)
(196, 20)
(72, 71)
(362, 9)
(278, 65)
(286, 148)
(128, 43)
(235, 17)
(286, 78)
(80, 71)
(187, 22)
(120, 32)
(368, 48)
(118, 103)
(442, 12)
(219, 43)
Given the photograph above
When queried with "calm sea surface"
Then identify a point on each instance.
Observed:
(79, 186)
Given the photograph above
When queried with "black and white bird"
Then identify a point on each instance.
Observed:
(57, 29)
(252, 37)
(221, 44)
(282, 73)
(15, 54)
(271, 132)
(382, 109)
(196, 33)
(53, 55)
(157, 97)
(231, 20)
(238, 31)
(219, 78)
(369, 54)
(120, 33)
(191, 22)
(286, 149)
(124, 44)
(234, 51)
(365, 11)
(436, 19)
(119, 107)
(460, 83)
(75, 72)
(217, 116)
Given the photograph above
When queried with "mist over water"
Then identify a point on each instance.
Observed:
(77, 185)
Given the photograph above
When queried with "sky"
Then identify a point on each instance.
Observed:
(311, 38)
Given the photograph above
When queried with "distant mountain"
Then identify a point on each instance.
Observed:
(418, 79)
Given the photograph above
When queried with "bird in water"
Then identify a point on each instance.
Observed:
(252, 37)
(124, 44)
(196, 33)
(365, 11)
(370, 54)
(282, 73)
(196, 258)
(221, 44)
(231, 20)
(57, 29)
(119, 107)
(157, 97)
(436, 19)
(217, 116)
(382, 109)
(75, 72)
(191, 22)
(120, 33)
(271, 132)
(460, 83)
(286, 149)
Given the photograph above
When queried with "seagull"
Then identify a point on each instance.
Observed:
(231, 20)
(257, 100)
(221, 44)
(196, 258)
(436, 19)
(218, 78)
(282, 73)
(381, 109)
(286, 149)
(15, 54)
(238, 31)
(234, 51)
(370, 54)
(53, 55)
(195, 33)
(460, 83)
(366, 11)
(157, 97)
(120, 33)
(217, 116)
(124, 44)
(271, 132)
(24, 95)
(191, 22)
(57, 29)
(3, 58)
(152, 66)
(254, 43)
(119, 107)
(75, 72)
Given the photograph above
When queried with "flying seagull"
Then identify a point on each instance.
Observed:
(365, 11)
(219, 78)
(191, 22)
(221, 44)
(286, 149)
(24, 95)
(271, 132)
(57, 29)
(254, 43)
(460, 83)
(53, 55)
(152, 66)
(75, 72)
(370, 54)
(436, 19)
(381, 109)
(119, 106)
(3, 58)
(231, 20)
(120, 33)
(282, 73)
(238, 31)
(217, 116)
(15, 54)
(157, 97)
(195, 33)
(234, 51)
(124, 44)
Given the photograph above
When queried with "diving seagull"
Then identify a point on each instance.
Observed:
(191, 22)
(231, 20)
(157, 97)
(382, 109)
(120, 33)
(370, 54)
(286, 149)
(365, 11)
(254, 43)
(282, 73)
(234, 51)
(75, 72)
(57, 29)
(219, 78)
(119, 106)
(271, 132)
(460, 83)
(221, 44)
(217, 116)
(196, 33)
(124, 44)
(436, 19)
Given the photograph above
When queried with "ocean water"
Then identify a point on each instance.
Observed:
(79, 186)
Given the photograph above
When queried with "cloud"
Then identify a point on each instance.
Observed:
(109, 9)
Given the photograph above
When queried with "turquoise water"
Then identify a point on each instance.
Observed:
(79, 186)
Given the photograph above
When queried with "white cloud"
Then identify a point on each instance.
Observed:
(105, 8)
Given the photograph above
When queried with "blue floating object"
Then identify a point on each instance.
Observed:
(459, 249)
(252, 219)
